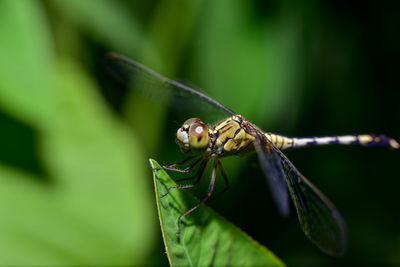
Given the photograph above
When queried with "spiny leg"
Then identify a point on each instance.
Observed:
(185, 179)
(226, 180)
(175, 163)
(198, 176)
(171, 167)
(209, 192)
(222, 171)
(180, 162)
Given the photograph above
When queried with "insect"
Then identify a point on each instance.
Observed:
(320, 221)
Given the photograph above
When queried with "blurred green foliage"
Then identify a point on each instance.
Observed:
(74, 177)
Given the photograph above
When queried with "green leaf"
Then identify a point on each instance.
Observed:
(90, 206)
(206, 238)
(95, 210)
(25, 61)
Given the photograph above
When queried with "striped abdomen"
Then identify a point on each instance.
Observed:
(284, 142)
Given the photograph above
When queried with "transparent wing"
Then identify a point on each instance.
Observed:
(271, 166)
(161, 89)
(319, 219)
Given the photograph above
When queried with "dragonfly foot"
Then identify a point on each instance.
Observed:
(169, 189)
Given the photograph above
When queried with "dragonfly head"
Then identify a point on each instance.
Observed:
(192, 136)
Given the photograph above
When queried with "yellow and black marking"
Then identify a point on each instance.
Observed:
(280, 141)
(230, 137)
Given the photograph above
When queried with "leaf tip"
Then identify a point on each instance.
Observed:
(153, 163)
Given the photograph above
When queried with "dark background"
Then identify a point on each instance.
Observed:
(300, 69)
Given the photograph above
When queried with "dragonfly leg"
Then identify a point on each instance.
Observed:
(171, 167)
(226, 180)
(198, 176)
(221, 169)
(209, 192)
(180, 162)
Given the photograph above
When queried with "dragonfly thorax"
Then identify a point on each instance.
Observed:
(193, 136)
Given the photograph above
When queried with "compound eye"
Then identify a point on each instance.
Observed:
(182, 138)
(192, 136)
(198, 135)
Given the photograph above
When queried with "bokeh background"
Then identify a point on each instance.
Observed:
(75, 183)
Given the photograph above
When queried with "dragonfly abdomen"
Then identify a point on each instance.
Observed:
(280, 141)
(283, 142)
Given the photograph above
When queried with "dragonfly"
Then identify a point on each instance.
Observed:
(205, 144)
